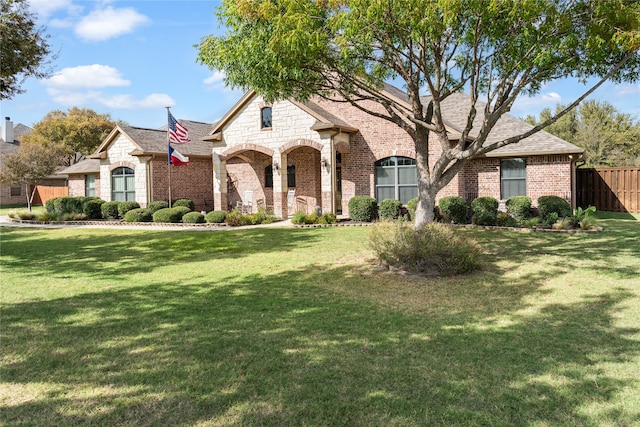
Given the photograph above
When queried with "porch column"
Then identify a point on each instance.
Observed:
(280, 188)
(327, 174)
(219, 182)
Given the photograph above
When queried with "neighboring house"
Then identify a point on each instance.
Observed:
(319, 154)
(131, 165)
(14, 194)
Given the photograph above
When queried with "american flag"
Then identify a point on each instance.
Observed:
(178, 134)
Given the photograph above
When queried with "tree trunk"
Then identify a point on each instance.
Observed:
(424, 210)
(30, 196)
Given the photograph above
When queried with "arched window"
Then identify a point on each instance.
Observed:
(123, 185)
(396, 178)
(265, 118)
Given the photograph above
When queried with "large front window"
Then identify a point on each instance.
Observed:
(123, 185)
(396, 178)
(513, 178)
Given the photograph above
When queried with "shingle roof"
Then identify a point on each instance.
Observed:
(154, 141)
(325, 119)
(455, 109)
(82, 167)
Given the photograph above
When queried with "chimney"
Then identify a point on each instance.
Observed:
(8, 130)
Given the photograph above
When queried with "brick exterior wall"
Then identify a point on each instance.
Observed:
(7, 199)
(193, 181)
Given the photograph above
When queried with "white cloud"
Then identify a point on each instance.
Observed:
(103, 24)
(128, 102)
(44, 8)
(216, 79)
(87, 76)
(525, 104)
(628, 89)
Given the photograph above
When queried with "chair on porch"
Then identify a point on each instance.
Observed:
(245, 205)
(291, 200)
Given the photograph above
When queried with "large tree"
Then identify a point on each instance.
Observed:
(77, 132)
(609, 137)
(496, 50)
(28, 166)
(24, 49)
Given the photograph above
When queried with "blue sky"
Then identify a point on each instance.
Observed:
(132, 58)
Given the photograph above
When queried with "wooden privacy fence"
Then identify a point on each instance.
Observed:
(44, 193)
(609, 189)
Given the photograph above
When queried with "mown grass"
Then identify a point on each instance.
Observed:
(276, 326)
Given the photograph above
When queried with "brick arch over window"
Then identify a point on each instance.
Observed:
(379, 155)
(292, 145)
(236, 150)
(121, 164)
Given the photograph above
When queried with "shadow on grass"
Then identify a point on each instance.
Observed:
(284, 350)
(124, 252)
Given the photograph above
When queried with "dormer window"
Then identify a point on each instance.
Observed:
(265, 118)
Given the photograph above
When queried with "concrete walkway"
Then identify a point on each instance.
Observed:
(5, 221)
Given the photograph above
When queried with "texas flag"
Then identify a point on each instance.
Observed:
(177, 159)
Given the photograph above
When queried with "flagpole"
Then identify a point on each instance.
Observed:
(168, 154)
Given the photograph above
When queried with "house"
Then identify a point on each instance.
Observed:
(305, 156)
(131, 165)
(14, 194)
(319, 154)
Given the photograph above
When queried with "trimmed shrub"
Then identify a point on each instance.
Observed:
(412, 205)
(125, 207)
(548, 205)
(183, 202)
(154, 207)
(92, 208)
(110, 210)
(48, 205)
(453, 209)
(389, 209)
(172, 215)
(182, 210)
(67, 205)
(216, 217)
(362, 208)
(519, 207)
(485, 211)
(505, 220)
(193, 218)
(138, 215)
(435, 249)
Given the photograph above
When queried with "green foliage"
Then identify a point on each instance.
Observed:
(157, 205)
(562, 224)
(363, 208)
(125, 207)
(66, 204)
(24, 47)
(609, 137)
(171, 215)
(589, 223)
(48, 205)
(110, 210)
(138, 215)
(505, 220)
(389, 209)
(412, 205)
(433, 250)
(298, 218)
(182, 210)
(531, 222)
(579, 214)
(549, 205)
(216, 217)
(193, 218)
(485, 211)
(328, 218)
(453, 209)
(183, 202)
(92, 208)
(519, 207)
(235, 218)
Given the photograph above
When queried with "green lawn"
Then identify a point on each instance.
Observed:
(279, 326)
